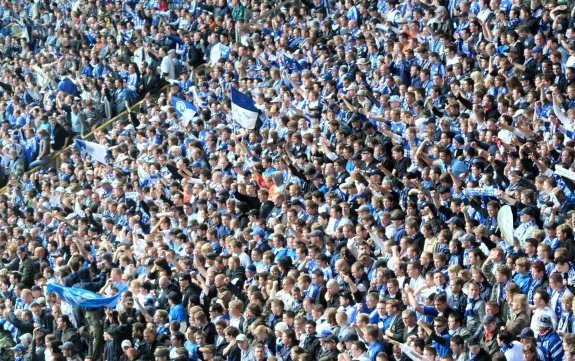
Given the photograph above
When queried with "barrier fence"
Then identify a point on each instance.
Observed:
(55, 159)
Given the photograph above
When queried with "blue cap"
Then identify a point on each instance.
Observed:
(252, 68)
(251, 268)
(188, 140)
(350, 39)
(335, 67)
(22, 249)
(125, 133)
(18, 347)
(297, 202)
(197, 164)
(394, 98)
(537, 49)
(325, 333)
(326, 77)
(258, 231)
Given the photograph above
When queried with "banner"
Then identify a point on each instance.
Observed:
(97, 151)
(244, 110)
(479, 192)
(131, 195)
(505, 224)
(562, 172)
(185, 110)
(80, 297)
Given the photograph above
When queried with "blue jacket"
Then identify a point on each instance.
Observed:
(551, 345)
(376, 348)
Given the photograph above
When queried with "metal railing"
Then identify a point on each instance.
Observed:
(55, 159)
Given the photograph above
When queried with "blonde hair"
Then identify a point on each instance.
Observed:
(521, 299)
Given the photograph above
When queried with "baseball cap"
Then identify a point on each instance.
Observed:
(126, 343)
(528, 211)
(251, 268)
(68, 346)
(20, 347)
(258, 231)
(488, 319)
(526, 332)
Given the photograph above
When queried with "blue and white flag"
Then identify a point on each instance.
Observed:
(292, 63)
(96, 151)
(244, 110)
(185, 110)
(479, 192)
(80, 297)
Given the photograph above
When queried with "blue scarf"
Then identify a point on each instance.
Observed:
(558, 305)
(532, 287)
(440, 290)
(563, 324)
(502, 292)
(469, 307)
(506, 347)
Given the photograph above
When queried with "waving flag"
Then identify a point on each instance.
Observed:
(244, 110)
(80, 297)
(292, 63)
(96, 151)
(199, 102)
(185, 110)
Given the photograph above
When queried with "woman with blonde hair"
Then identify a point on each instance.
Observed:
(265, 335)
(518, 317)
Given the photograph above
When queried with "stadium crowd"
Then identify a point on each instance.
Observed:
(358, 220)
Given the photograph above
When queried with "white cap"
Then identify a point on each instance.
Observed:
(126, 343)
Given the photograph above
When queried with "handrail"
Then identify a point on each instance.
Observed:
(54, 156)
(272, 11)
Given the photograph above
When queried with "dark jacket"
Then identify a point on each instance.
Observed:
(312, 346)
(70, 334)
(163, 299)
(46, 322)
(119, 332)
(327, 355)
(22, 325)
(397, 328)
(191, 295)
(26, 268)
(149, 84)
(482, 356)
(59, 136)
(147, 348)
(210, 332)
(235, 354)
(490, 345)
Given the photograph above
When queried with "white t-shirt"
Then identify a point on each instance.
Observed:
(515, 353)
